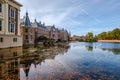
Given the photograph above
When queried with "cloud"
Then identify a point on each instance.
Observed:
(52, 12)
(78, 16)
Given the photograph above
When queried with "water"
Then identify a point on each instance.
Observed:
(79, 61)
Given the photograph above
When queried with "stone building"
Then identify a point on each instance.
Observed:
(31, 31)
(63, 35)
(40, 29)
(10, 24)
(53, 32)
(27, 31)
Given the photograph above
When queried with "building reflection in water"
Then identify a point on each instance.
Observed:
(9, 63)
(15, 63)
(30, 63)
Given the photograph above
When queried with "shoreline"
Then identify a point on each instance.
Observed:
(108, 40)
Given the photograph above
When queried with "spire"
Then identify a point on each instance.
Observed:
(26, 13)
(35, 20)
(27, 20)
(53, 25)
(43, 23)
(40, 22)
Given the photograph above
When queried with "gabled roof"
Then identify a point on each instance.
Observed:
(35, 24)
(38, 24)
(49, 28)
(26, 21)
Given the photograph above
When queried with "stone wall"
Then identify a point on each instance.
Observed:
(7, 41)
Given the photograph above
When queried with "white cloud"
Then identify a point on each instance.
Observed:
(52, 12)
(73, 15)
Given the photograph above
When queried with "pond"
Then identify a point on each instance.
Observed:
(73, 61)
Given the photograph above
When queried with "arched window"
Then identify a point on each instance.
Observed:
(0, 7)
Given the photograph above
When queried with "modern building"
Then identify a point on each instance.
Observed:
(10, 24)
(27, 31)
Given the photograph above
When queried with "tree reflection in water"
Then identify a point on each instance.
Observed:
(116, 51)
(54, 63)
(17, 63)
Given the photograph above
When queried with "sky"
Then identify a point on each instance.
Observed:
(77, 16)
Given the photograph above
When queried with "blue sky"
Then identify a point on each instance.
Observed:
(77, 16)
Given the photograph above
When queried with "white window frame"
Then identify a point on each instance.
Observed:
(11, 25)
(1, 25)
(0, 7)
(12, 9)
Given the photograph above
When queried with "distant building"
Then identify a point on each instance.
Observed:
(40, 29)
(63, 35)
(27, 31)
(53, 32)
(10, 24)
(75, 38)
(31, 31)
(83, 38)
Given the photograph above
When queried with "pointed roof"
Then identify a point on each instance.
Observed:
(26, 21)
(38, 24)
(35, 24)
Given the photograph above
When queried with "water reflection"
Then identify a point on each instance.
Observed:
(116, 51)
(9, 63)
(61, 62)
(111, 47)
(17, 63)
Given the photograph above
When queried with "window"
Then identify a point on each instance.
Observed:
(26, 36)
(0, 7)
(31, 30)
(14, 53)
(0, 25)
(1, 39)
(31, 37)
(12, 13)
(53, 35)
(1, 56)
(26, 30)
(11, 27)
(14, 39)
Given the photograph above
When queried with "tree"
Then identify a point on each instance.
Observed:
(102, 36)
(110, 35)
(89, 36)
(42, 38)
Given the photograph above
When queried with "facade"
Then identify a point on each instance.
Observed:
(32, 31)
(40, 29)
(10, 24)
(27, 31)
(63, 35)
(53, 32)
(75, 38)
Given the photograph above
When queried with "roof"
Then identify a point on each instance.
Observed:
(14, 1)
(38, 24)
(26, 21)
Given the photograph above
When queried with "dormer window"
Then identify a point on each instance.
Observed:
(0, 7)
